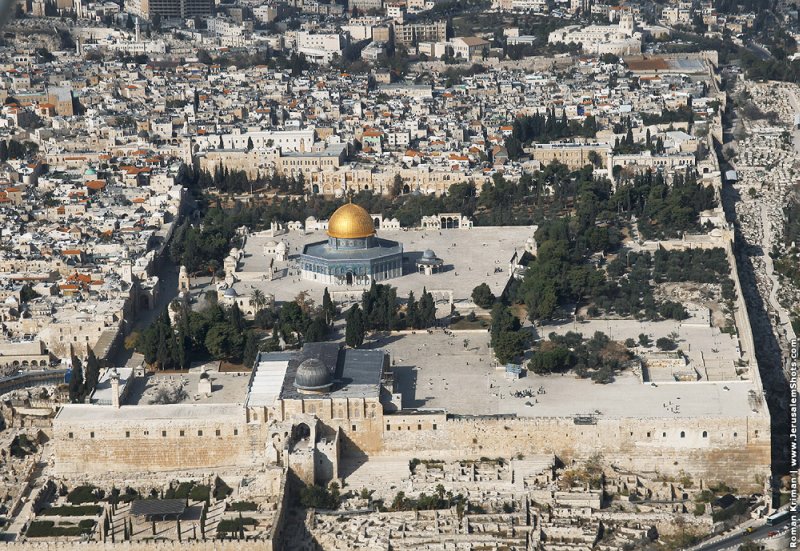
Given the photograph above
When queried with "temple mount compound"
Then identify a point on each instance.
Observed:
(352, 255)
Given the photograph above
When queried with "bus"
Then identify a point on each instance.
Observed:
(777, 518)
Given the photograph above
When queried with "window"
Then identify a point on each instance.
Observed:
(70, 435)
(663, 434)
(353, 427)
(147, 433)
(163, 434)
(127, 434)
(218, 432)
(434, 426)
(182, 433)
(236, 432)
(734, 435)
(683, 434)
(388, 427)
(199, 433)
(419, 427)
(705, 434)
(91, 434)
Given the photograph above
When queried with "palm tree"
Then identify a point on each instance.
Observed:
(258, 300)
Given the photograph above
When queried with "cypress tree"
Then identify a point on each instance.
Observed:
(92, 372)
(76, 381)
(250, 349)
(328, 307)
(354, 327)
(412, 313)
(236, 318)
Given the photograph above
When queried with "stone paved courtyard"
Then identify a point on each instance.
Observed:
(471, 257)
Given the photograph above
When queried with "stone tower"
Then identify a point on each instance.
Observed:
(184, 283)
(627, 24)
(229, 264)
(126, 268)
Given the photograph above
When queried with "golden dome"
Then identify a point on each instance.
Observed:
(350, 222)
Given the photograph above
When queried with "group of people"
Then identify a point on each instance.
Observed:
(528, 392)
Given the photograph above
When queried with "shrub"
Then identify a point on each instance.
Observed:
(48, 528)
(663, 343)
(200, 493)
(82, 494)
(69, 511)
(22, 446)
(221, 490)
(232, 525)
(182, 491)
(738, 508)
(242, 506)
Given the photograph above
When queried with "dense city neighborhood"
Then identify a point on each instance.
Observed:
(407, 274)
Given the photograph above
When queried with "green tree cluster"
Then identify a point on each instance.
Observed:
(422, 314)
(699, 265)
(380, 308)
(320, 497)
(545, 128)
(507, 339)
(598, 357)
(683, 113)
(633, 293)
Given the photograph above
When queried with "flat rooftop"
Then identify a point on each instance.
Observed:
(356, 373)
(455, 373)
(471, 257)
(85, 413)
(270, 371)
(226, 388)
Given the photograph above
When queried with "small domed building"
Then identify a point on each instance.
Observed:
(313, 377)
(429, 263)
(352, 255)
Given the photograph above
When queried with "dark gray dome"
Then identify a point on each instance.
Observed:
(231, 292)
(428, 254)
(312, 375)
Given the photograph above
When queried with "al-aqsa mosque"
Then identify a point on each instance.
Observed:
(352, 255)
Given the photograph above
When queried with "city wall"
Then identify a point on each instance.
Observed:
(155, 445)
(733, 450)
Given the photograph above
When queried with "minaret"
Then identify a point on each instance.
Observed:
(115, 388)
(137, 29)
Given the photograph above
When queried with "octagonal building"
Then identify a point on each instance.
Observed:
(352, 255)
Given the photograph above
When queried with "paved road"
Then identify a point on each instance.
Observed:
(168, 290)
(739, 537)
